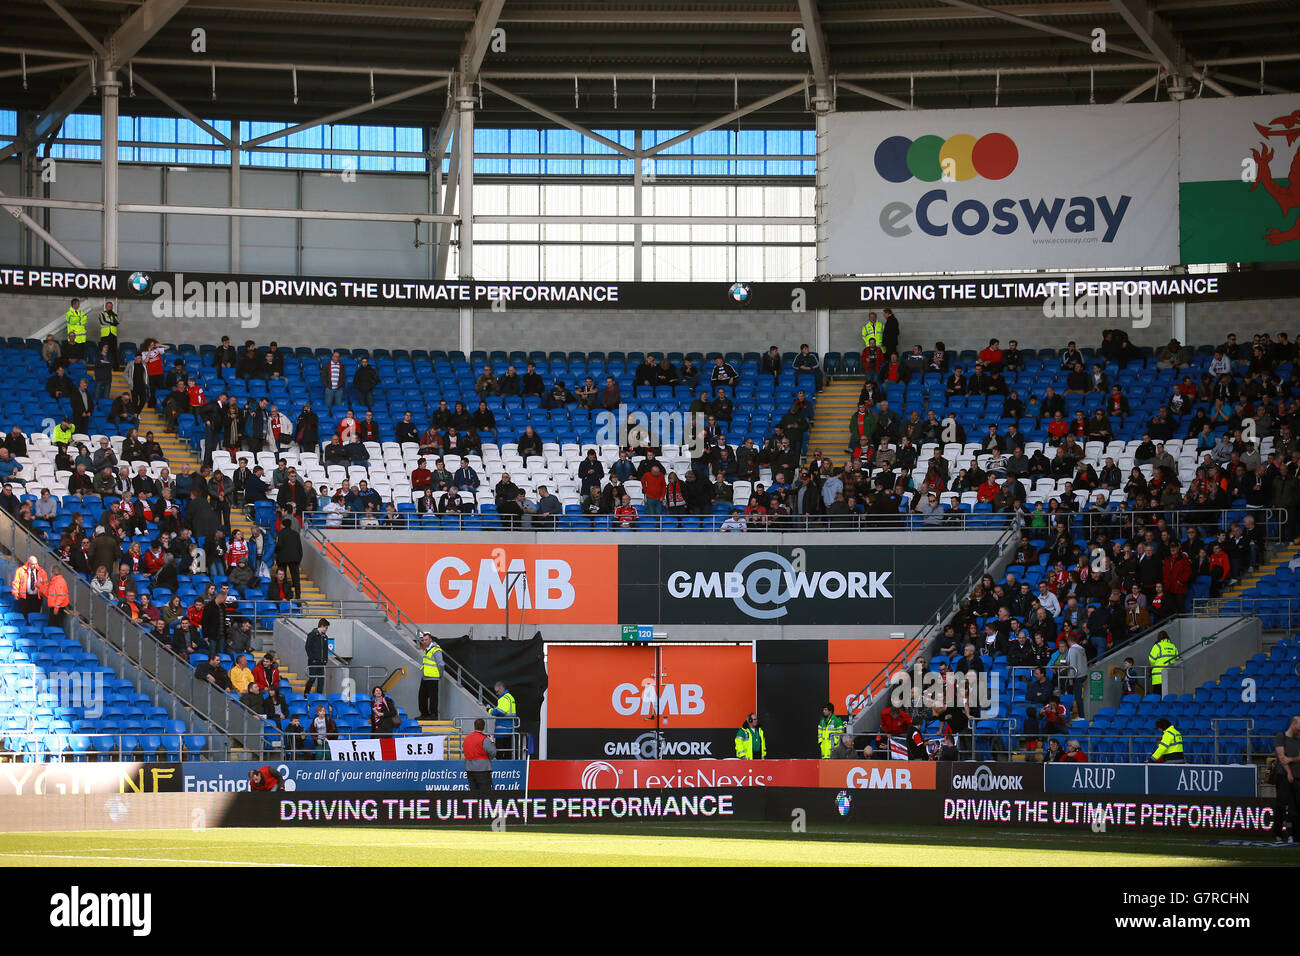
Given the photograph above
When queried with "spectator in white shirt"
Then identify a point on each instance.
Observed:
(1047, 600)
(334, 512)
(735, 521)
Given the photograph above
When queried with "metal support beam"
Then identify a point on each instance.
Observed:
(91, 40)
(15, 209)
(1154, 34)
(365, 107)
(724, 120)
(1139, 89)
(236, 198)
(1085, 39)
(250, 212)
(478, 38)
(817, 50)
(498, 220)
(182, 111)
(823, 166)
(449, 192)
(557, 119)
(109, 87)
(637, 206)
(465, 135)
(150, 17)
(872, 94)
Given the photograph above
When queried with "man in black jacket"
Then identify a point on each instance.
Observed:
(288, 552)
(365, 381)
(318, 652)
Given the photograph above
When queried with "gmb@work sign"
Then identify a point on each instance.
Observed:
(585, 584)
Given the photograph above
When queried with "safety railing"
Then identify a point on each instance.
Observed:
(666, 522)
(907, 656)
(1275, 612)
(153, 745)
(408, 628)
(145, 654)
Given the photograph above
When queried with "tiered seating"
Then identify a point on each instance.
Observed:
(1276, 677)
(99, 716)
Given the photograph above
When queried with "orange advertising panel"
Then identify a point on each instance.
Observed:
(566, 584)
(853, 663)
(877, 774)
(647, 687)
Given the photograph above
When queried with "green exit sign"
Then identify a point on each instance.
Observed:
(637, 633)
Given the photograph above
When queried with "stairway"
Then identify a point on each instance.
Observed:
(835, 403)
(448, 729)
(1248, 581)
(182, 459)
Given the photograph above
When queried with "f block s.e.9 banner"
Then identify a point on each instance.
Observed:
(592, 584)
(987, 189)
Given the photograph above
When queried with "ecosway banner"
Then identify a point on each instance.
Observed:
(1034, 188)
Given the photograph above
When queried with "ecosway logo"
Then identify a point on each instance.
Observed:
(955, 159)
(592, 772)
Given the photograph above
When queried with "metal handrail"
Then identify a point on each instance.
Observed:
(666, 523)
(106, 620)
(397, 617)
(907, 656)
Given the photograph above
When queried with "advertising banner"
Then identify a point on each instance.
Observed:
(505, 808)
(1009, 778)
(318, 775)
(38, 779)
(648, 703)
(168, 293)
(543, 584)
(669, 774)
(813, 584)
(878, 774)
(582, 584)
(1227, 780)
(1239, 179)
(429, 747)
(987, 189)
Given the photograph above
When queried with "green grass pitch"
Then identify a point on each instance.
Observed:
(668, 844)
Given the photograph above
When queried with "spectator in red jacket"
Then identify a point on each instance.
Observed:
(1074, 752)
(264, 779)
(1176, 574)
(992, 356)
(986, 492)
(1220, 568)
(654, 486)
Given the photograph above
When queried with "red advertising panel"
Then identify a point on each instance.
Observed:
(669, 774)
(666, 686)
(561, 584)
(877, 774)
(853, 663)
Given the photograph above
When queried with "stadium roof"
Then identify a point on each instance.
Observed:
(618, 64)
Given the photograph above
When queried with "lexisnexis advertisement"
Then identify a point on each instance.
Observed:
(582, 584)
(987, 189)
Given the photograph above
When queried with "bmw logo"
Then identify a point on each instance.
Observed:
(739, 292)
(843, 802)
(139, 282)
